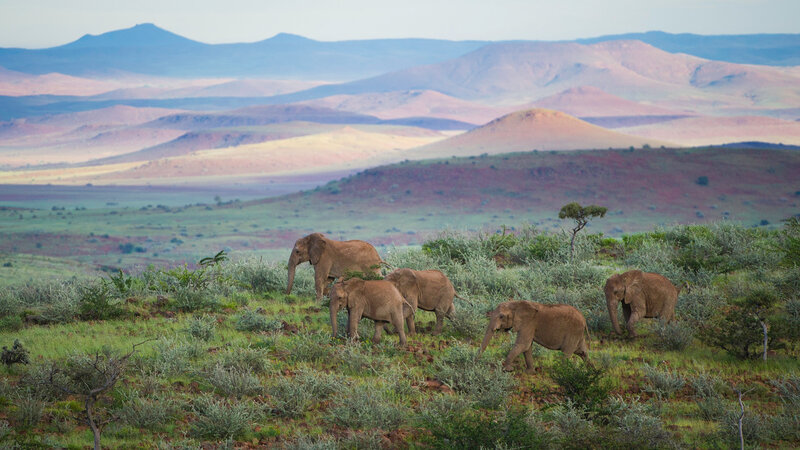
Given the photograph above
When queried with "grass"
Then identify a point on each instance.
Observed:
(233, 372)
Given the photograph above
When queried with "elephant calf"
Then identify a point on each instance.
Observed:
(642, 294)
(378, 300)
(557, 327)
(428, 290)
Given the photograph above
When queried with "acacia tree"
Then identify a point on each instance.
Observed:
(581, 215)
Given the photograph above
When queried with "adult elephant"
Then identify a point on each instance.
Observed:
(331, 259)
(557, 327)
(428, 290)
(642, 294)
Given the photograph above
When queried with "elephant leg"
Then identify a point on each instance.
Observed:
(626, 312)
(439, 323)
(397, 321)
(376, 338)
(528, 361)
(352, 324)
(412, 328)
(508, 364)
(634, 317)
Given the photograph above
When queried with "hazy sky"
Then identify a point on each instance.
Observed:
(46, 23)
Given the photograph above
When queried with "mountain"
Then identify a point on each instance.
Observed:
(589, 101)
(508, 73)
(148, 49)
(412, 103)
(539, 129)
(766, 49)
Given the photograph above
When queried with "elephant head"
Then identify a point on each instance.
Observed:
(341, 294)
(507, 316)
(405, 280)
(309, 248)
(625, 288)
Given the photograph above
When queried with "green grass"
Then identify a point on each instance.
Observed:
(347, 378)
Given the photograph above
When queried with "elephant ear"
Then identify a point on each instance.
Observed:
(316, 247)
(633, 291)
(355, 290)
(523, 312)
(408, 284)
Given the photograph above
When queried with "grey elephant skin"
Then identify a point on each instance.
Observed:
(331, 259)
(557, 327)
(643, 295)
(428, 290)
(378, 300)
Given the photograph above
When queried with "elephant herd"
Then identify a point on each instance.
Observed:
(395, 299)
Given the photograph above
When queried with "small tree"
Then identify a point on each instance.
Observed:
(581, 215)
(90, 377)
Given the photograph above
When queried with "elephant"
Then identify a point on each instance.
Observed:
(428, 290)
(378, 300)
(331, 259)
(643, 294)
(557, 327)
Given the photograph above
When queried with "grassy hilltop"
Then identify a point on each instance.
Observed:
(225, 358)
(403, 204)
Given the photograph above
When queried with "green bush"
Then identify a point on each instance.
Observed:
(148, 412)
(233, 381)
(190, 299)
(453, 423)
(218, 419)
(260, 277)
(247, 359)
(637, 427)
(485, 384)
(202, 327)
(583, 384)
(572, 428)
(253, 321)
(676, 335)
(29, 409)
(662, 383)
(789, 242)
(365, 407)
(289, 397)
(311, 347)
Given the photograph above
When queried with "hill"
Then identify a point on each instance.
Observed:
(693, 131)
(539, 129)
(589, 101)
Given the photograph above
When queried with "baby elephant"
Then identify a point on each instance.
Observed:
(374, 299)
(557, 327)
(642, 294)
(428, 290)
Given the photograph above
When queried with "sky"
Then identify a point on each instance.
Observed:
(47, 23)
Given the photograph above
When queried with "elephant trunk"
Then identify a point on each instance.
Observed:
(334, 311)
(292, 266)
(612, 314)
(488, 336)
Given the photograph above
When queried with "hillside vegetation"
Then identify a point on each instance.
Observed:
(222, 356)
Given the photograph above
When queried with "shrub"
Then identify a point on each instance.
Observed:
(249, 320)
(571, 426)
(411, 258)
(309, 347)
(662, 383)
(453, 423)
(789, 242)
(234, 381)
(737, 327)
(190, 299)
(364, 407)
(146, 411)
(676, 335)
(485, 384)
(29, 409)
(246, 359)
(202, 327)
(289, 398)
(582, 383)
(353, 359)
(639, 428)
(260, 277)
(173, 356)
(218, 419)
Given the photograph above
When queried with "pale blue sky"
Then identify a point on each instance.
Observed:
(46, 23)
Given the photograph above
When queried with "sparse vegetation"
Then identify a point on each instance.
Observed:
(266, 372)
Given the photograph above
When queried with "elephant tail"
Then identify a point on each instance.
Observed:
(588, 335)
(455, 294)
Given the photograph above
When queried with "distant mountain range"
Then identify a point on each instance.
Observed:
(148, 49)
